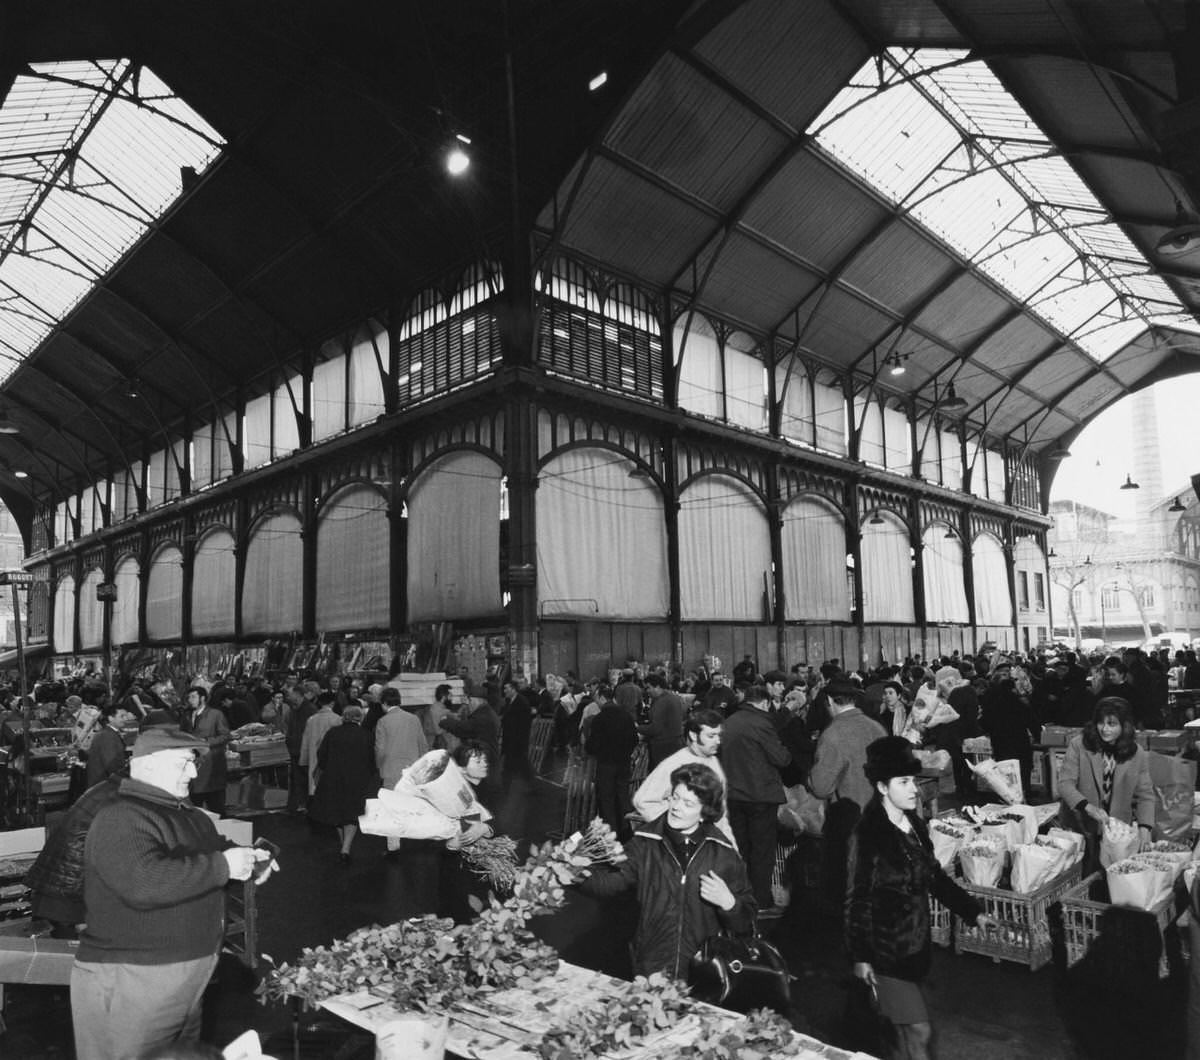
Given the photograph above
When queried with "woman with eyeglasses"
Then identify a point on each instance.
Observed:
(689, 879)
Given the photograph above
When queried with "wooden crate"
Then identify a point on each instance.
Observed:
(1086, 911)
(1023, 931)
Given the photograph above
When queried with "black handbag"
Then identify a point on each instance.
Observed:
(740, 973)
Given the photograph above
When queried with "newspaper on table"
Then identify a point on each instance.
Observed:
(429, 801)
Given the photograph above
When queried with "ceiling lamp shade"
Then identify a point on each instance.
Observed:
(952, 400)
(895, 363)
(1177, 506)
(6, 425)
(1059, 452)
(876, 519)
(1129, 484)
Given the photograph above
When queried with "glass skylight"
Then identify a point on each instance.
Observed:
(941, 138)
(90, 158)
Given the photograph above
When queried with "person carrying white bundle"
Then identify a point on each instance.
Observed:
(1105, 774)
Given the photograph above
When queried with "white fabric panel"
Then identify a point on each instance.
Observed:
(870, 443)
(91, 612)
(992, 605)
(887, 571)
(352, 551)
(796, 408)
(329, 398)
(814, 562)
(945, 588)
(124, 497)
(156, 479)
(87, 511)
(897, 441)
(601, 536)
(951, 461)
(174, 464)
(164, 596)
(831, 418)
(366, 384)
(124, 619)
(700, 386)
(256, 431)
(214, 586)
(995, 475)
(202, 450)
(745, 390)
(927, 439)
(64, 616)
(454, 539)
(273, 583)
(977, 461)
(724, 552)
(62, 524)
(287, 432)
(222, 455)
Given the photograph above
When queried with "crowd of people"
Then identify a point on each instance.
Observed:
(721, 755)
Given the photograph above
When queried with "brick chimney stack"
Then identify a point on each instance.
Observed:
(1147, 461)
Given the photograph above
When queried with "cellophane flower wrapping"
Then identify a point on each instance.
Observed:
(1140, 885)
(982, 863)
(1036, 864)
(1118, 840)
(1004, 778)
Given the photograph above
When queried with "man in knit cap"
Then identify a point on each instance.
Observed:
(155, 870)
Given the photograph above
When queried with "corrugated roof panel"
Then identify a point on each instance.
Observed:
(1136, 360)
(1019, 342)
(963, 311)
(693, 134)
(620, 217)
(1087, 397)
(873, 269)
(1055, 373)
(755, 48)
(842, 329)
(813, 210)
(751, 283)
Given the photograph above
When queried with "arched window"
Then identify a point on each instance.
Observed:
(64, 615)
(214, 585)
(617, 532)
(123, 627)
(886, 571)
(942, 563)
(164, 595)
(814, 562)
(353, 546)
(91, 612)
(724, 552)
(454, 539)
(273, 584)
(992, 604)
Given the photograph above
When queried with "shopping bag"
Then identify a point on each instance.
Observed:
(1117, 841)
(982, 863)
(1174, 781)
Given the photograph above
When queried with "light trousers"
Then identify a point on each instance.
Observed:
(120, 1011)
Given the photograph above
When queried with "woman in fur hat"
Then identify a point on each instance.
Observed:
(892, 871)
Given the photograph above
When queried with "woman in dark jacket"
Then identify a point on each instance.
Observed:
(1009, 722)
(892, 872)
(346, 778)
(690, 881)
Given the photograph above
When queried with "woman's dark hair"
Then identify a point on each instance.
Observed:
(705, 785)
(1112, 707)
(469, 749)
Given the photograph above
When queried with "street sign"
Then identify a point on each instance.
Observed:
(106, 591)
(16, 577)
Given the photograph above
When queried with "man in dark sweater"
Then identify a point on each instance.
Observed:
(154, 874)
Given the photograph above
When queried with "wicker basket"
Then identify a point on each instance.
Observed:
(1023, 931)
(1133, 942)
(939, 923)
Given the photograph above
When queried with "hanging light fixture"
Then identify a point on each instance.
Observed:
(1129, 484)
(1059, 452)
(950, 535)
(20, 474)
(952, 400)
(1177, 506)
(895, 363)
(6, 425)
(876, 519)
(1183, 238)
(457, 159)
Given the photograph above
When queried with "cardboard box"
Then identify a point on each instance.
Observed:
(1170, 741)
(1058, 735)
(37, 960)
